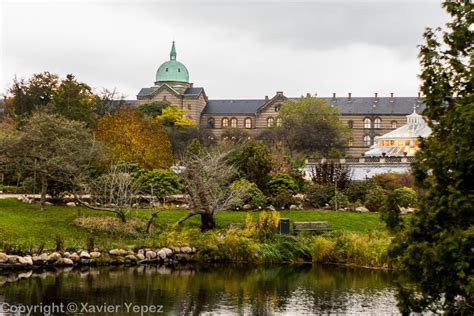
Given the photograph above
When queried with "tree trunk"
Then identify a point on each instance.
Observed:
(150, 221)
(44, 188)
(207, 222)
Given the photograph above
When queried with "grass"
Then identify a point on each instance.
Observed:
(24, 226)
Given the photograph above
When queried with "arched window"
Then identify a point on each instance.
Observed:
(367, 123)
(211, 122)
(270, 122)
(233, 122)
(278, 124)
(367, 141)
(189, 106)
(394, 124)
(225, 122)
(350, 124)
(349, 142)
(277, 108)
(377, 123)
(248, 122)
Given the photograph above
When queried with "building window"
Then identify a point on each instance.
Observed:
(277, 108)
(166, 69)
(225, 122)
(394, 124)
(350, 124)
(367, 141)
(189, 107)
(233, 123)
(349, 142)
(377, 123)
(270, 122)
(211, 122)
(248, 123)
(278, 122)
(366, 123)
(179, 69)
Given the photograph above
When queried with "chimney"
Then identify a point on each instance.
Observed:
(308, 95)
(315, 94)
(392, 99)
(376, 97)
(419, 95)
(191, 84)
(266, 98)
(349, 96)
(279, 93)
(334, 95)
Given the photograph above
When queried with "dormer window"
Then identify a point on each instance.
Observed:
(166, 69)
(179, 69)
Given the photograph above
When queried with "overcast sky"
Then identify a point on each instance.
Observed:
(234, 49)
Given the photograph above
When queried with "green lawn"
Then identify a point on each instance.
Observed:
(24, 225)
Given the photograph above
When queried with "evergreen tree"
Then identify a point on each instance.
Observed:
(435, 251)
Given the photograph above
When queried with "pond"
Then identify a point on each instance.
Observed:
(194, 290)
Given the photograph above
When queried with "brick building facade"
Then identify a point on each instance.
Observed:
(367, 117)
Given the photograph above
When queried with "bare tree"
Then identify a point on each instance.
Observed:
(207, 177)
(115, 192)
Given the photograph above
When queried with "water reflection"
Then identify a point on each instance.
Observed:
(218, 289)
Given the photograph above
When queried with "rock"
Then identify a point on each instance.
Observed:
(95, 254)
(118, 252)
(131, 258)
(53, 257)
(246, 207)
(186, 249)
(71, 204)
(64, 262)
(66, 254)
(150, 254)
(141, 251)
(185, 206)
(86, 261)
(37, 260)
(84, 255)
(26, 260)
(74, 257)
(271, 208)
(362, 209)
(164, 252)
(3, 257)
(193, 250)
(182, 257)
(293, 207)
(13, 259)
(140, 256)
(407, 210)
(48, 203)
(175, 249)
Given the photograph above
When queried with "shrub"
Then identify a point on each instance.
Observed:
(267, 224)
(254, 195)
(158, 182)
(374, 199)
(283, 200)
(319, 195)
(282, 182)
(388, 181)
(405, 197)
(357, 190)
(342, 201)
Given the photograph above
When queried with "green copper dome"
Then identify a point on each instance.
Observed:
(172, 70)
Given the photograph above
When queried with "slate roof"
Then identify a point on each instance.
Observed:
(356, 106)
(193, 91)
(233, 106)
(144, 92)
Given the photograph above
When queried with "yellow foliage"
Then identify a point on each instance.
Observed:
(173, 116)
(134, 138)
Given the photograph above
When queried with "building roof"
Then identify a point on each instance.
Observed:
(193, 91)
(248, 106)
(172, 70)
(353, 106)
(145, 92)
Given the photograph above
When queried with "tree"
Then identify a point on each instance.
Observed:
(173, 116)
(254, 162)
(51, 148)
(207, 179)
(158, 182)
(153, 109)
(282, 182)
(331, 173)
(131, 137)
(312, 127)
(435, 249)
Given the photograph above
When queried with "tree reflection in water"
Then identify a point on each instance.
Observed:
(228, 289)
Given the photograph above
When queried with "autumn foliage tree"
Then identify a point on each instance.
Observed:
(134, 138)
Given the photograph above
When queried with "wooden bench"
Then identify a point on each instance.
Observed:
(311, 227)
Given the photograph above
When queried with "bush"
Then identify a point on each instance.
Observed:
(388, 181)
(254, 196)
(357, 190)
(405, 197)
(342, 201)
(374, 199)
(318, 195)
(282, 182)
(283, 200)
(158, 182)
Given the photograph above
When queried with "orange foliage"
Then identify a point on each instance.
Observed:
(131, 137)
